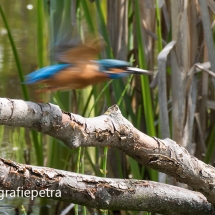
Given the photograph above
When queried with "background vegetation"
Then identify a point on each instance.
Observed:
(177, 103)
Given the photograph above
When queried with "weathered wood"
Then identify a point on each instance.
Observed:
(96, 192)
(113, 130)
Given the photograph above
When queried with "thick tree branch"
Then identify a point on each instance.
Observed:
(103, 193)
(113, 130)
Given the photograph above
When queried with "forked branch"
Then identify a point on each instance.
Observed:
(113, 130)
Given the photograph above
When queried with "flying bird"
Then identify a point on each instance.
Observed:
(79, 67)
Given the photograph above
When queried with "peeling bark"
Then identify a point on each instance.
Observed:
(103, 193)
(113, 130)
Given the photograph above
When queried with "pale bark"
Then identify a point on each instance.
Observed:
(113, 130)
(103, 193)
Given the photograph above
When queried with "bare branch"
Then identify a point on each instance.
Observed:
(103, 193)
(113, 130)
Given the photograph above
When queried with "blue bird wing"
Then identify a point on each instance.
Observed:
(44, 73)
(69, 53)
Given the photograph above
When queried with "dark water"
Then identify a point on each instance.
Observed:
(21, 18)
(22, 23)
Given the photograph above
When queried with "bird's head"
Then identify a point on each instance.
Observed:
(114, 68)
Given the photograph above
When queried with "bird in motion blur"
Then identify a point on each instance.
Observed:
(79, 68)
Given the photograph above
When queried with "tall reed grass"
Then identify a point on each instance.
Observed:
(136, 31)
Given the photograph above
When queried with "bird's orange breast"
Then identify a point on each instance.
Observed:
(76, 77)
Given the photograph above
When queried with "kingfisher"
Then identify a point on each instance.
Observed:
(79, 67)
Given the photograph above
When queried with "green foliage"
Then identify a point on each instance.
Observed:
(137, 38)
(92, 101)
(16, 56)
(37, 144)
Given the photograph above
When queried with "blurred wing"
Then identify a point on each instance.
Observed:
(44, 73)
(83, 52)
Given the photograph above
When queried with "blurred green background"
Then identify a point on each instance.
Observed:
(135, 31)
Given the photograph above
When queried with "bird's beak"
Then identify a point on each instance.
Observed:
(134, 70)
